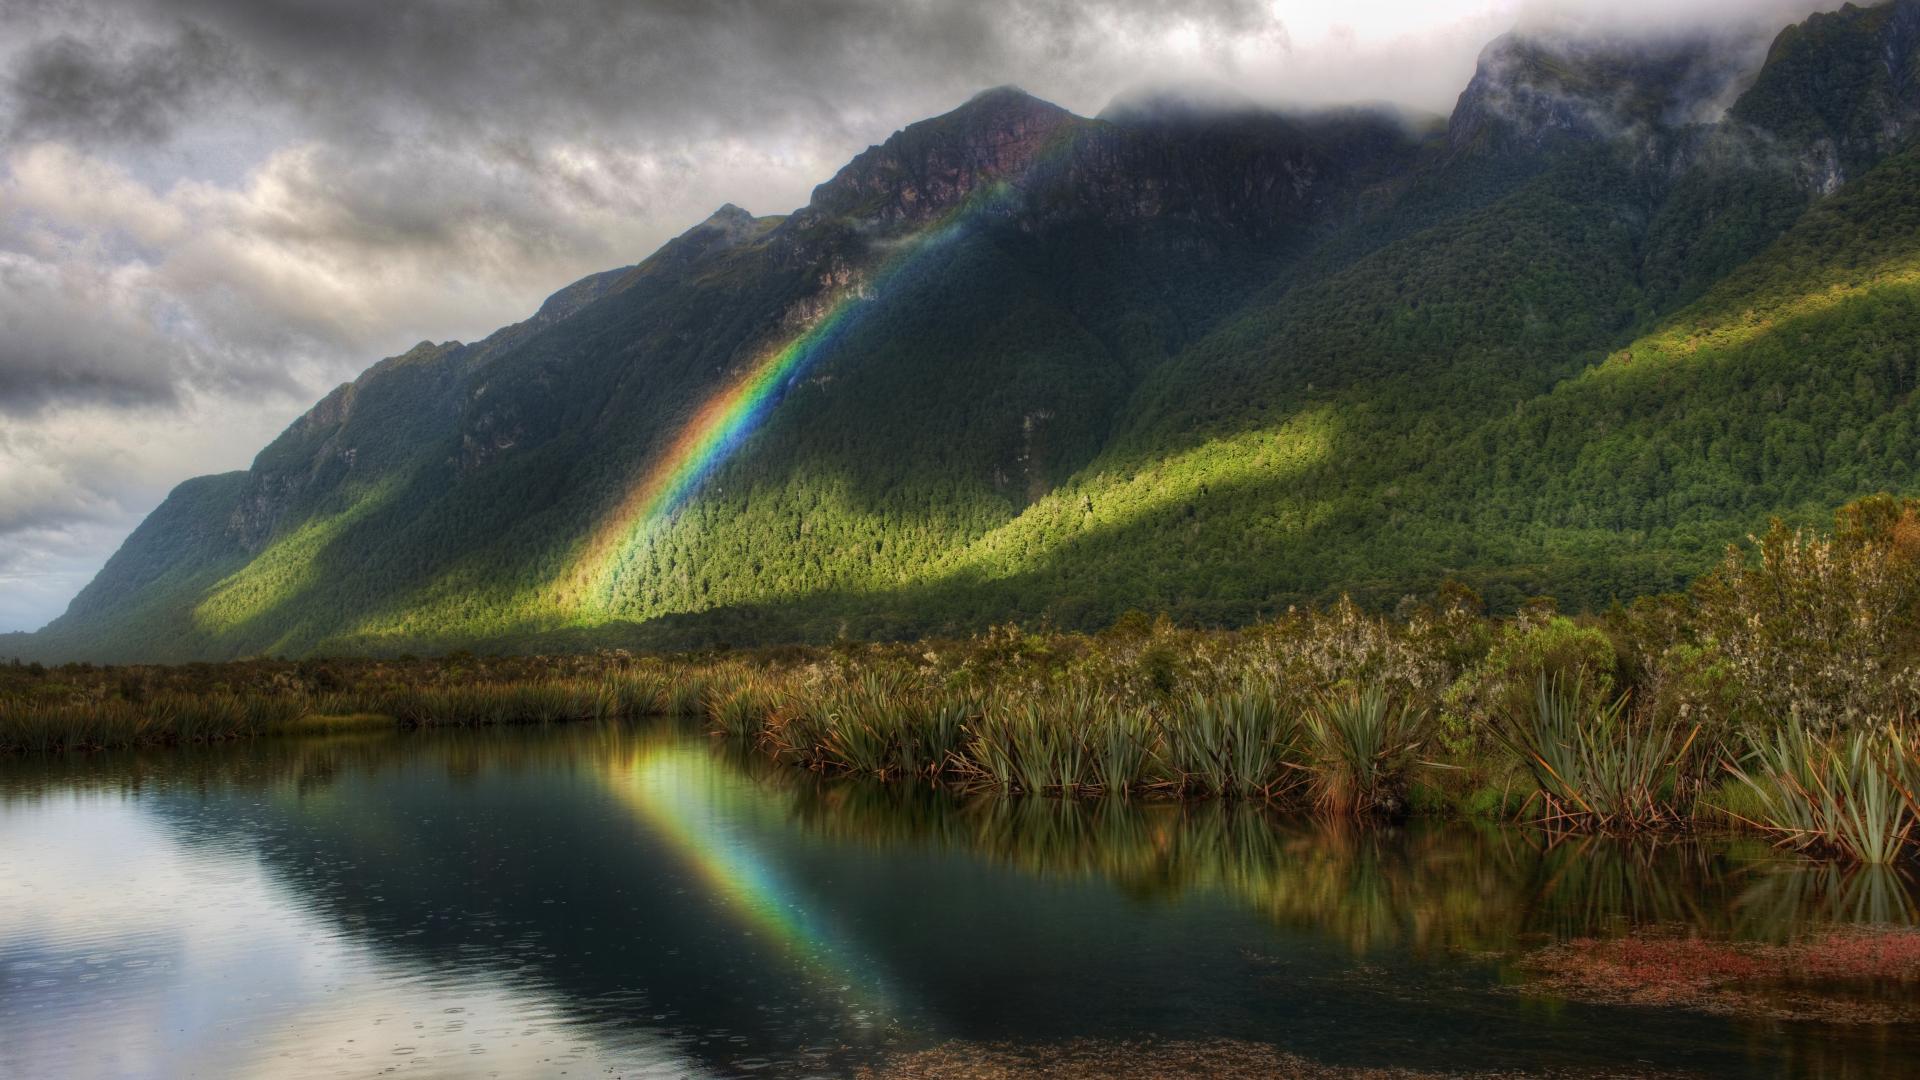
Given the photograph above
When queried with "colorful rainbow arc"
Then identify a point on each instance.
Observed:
(724, 421)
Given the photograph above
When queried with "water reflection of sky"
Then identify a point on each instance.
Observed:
(128, 951)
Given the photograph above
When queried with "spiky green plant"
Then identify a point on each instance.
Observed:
(628, 695)
(1361, 745)
(1234, 743)
(685, 694)
(51, 727)
(1067, 741)
(740, 711)
(1121, 743)
(1842, 794)
(1592, 765)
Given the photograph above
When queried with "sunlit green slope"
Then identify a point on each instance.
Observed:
(1015, 363)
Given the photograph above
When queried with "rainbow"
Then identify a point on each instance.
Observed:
(663, 786)
(724, 421)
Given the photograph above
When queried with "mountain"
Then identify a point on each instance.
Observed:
(1631, 299)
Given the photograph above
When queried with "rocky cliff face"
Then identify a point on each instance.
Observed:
(1825, 100)
(378, 421)
(1839, 92)
(1538, 91)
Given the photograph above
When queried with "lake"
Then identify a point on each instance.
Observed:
(614, 900)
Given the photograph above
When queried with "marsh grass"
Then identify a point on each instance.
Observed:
(1328, 707)
(878, 723)
(686, 694)
(740, 707)
(162, 719)
(1050, 743)
(539, 701)
(1234, 743)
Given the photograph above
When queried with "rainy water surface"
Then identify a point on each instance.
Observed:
(615, 901)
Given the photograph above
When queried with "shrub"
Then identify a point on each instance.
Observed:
(1537, 645)
(1822, 629)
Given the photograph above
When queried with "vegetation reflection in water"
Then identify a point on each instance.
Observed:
(1451, 911)
(1421, 885)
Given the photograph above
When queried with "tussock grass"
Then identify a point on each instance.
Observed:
(1621, 721)
(875, 723)
(540, 701)
(163, 719)
(1234, 743)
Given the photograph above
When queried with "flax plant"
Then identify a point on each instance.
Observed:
(1233, 743)
(1592, 765)
(1847, 794)
(1361, 745)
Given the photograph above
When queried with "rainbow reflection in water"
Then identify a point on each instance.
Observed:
(677, 790)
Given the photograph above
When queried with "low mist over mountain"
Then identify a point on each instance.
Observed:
(1632, 298)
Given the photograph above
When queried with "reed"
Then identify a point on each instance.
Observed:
(1847, 794)
(1593, 767)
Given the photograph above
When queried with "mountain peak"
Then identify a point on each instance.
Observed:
(1842, 88)
(1177, 102)
(1539, 87)
(926, 167)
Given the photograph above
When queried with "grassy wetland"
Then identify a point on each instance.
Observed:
(1777, 696)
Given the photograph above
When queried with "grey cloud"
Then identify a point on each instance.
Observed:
(496, 143)
(61, 343)
(96, 90)
(685, 67)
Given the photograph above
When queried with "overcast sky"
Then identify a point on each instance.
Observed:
(211, 211)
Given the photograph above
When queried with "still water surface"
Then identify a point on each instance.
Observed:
(620, 901)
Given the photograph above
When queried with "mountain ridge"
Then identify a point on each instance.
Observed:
(1016, 363)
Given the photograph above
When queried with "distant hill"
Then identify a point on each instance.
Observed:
(1627, 302)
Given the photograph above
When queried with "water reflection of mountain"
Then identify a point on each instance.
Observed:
(654, 885)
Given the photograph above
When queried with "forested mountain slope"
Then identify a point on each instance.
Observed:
(1628, 301)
